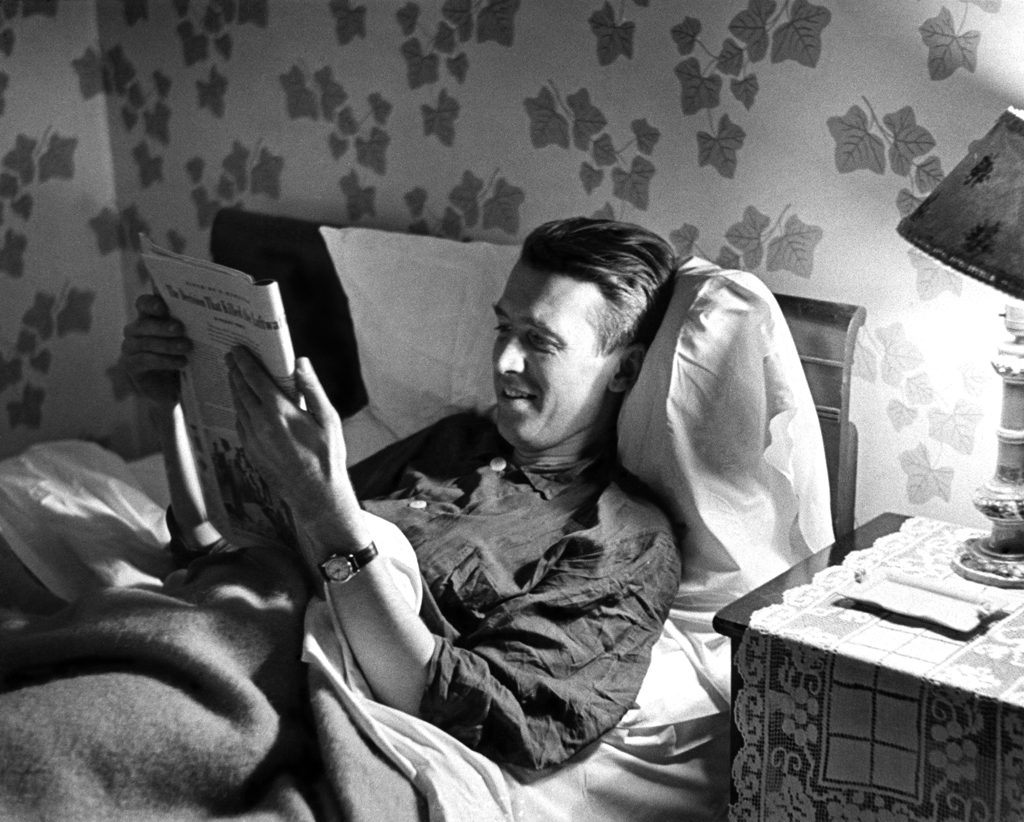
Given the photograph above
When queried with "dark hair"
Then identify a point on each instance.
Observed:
(631, 266)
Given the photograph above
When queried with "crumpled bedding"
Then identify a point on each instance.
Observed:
(135, 703)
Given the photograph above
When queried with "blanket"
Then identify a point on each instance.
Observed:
(187, 702)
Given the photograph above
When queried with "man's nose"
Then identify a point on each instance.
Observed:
(508, 356)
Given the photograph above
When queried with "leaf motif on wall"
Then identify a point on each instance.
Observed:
(346, 122)
(299, 98)
(21, 206)
(865, 361)
(799, 38)
(924, 480)
(332, 93)
(157, 122)
(40, 316)
(415, 200)
(407, 17)
(441, 120)
(646, 135)
(501, 209)
(76, 313)
(458, 66)
(151, 169)
(89, 68)
(28, 412)
(948, 50)
(420, 68)
(380, 108)
(750, 27)
(10, 372)
(211, 92)
(909, 140)
(730, 58)
(634, 186)
(195, 46)
(614, 39)
(684, 239)
(359, 199)
(206, 208)
(745, 90)
(349, 21)
(899, 355)
(21, 158)
(337, 145)
(547, 125)
(265, 177)
(460, 14)
(587, 119)
(236, 164)
(956, 428)
(590, 177)
(194, 167)
(372, 152)
(976, 379)
(497, 22)
(685, 35)
(793, 250)
(918, 388)
(747, 236)
(603, 151)
(719, 150)
(698, 91)
(928, 174)
(900, 415)
(727, 258)
(464, 197)
(933, 278)
(12, 253)
(41, 362)
(856, 146)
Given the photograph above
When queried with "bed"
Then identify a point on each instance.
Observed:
(769, 482)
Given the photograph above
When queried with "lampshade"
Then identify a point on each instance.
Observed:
(973, 221)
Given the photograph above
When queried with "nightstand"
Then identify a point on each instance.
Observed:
(843, 711)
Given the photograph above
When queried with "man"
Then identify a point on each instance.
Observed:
(547, 576)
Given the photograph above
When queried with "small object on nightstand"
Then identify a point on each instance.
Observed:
(925, 598)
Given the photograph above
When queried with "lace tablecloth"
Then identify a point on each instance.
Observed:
(850, 713)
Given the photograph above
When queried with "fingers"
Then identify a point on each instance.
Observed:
(309, 386)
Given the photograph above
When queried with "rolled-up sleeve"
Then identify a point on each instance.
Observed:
(548, 671)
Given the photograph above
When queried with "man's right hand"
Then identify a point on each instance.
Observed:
(154, 351)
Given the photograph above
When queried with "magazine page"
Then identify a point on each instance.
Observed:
(220, 308)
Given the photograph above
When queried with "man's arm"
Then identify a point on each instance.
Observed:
(301, 454)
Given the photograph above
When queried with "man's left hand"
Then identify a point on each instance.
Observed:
(300, 454)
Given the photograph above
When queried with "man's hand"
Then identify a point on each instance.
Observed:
(154, 351)
(301, 454)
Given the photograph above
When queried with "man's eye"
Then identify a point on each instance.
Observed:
(539, 341)
(501, 328)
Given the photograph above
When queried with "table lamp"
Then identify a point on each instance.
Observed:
(973, 222)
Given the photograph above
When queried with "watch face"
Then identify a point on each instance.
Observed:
(338, 569)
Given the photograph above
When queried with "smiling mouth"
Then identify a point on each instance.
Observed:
(515, 394)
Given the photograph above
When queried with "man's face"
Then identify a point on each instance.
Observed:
(555, 390)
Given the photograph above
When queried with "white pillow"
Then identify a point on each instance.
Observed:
(423, 317)
(721, 424)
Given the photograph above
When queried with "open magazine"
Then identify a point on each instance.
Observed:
(220, 308)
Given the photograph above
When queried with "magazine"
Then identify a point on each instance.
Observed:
(220, 308)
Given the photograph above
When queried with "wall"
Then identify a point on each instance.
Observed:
(783, 137)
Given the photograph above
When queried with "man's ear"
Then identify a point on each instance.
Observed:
(630, 359)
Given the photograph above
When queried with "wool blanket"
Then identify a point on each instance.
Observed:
(186, 702)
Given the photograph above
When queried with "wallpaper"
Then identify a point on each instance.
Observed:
(785, 137)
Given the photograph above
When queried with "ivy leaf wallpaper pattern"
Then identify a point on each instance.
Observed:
(555, 122)
(792, 32)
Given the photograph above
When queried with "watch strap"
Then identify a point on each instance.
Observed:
(357, 560)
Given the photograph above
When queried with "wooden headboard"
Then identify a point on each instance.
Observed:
(292, 252)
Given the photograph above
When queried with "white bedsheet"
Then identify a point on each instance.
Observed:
(668, 759)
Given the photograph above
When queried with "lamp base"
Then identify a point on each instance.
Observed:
(976, 561)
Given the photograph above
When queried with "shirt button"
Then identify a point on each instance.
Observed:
(498, 464)
(418, 504)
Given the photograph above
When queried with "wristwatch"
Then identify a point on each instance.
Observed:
(342, 567)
